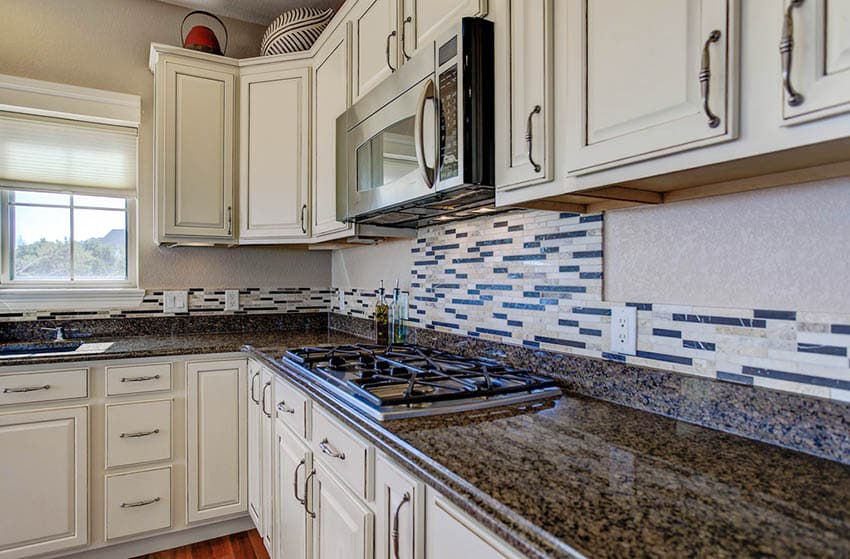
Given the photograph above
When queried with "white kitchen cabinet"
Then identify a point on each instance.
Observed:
(195, 111)
(274, 154)
(649, 78)
(452, 533)
(293, 526)
(399, 500)
(267, 453)
(331, 97)
(375, 46)
(815, 47)
(44, 481)
(216, 421)
(423, 20)
(524, 107)
(343, 526)
(255, 452)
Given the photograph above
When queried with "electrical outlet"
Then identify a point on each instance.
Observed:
(624, 330)
(231, 299)
(175, 301)
(341, 300)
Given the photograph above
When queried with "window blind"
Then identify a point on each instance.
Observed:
(53, 154)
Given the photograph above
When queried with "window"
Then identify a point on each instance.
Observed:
(69, 240)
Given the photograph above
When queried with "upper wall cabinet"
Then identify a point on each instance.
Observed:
(649, 78)
(815, 51)
(525, 106)
(195, 110)
(375, 43)
(274, 150)
(423, 20)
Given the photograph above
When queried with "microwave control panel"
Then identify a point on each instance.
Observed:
(447, 84)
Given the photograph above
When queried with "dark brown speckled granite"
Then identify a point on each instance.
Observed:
(582, 476)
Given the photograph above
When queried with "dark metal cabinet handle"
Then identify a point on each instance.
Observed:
(139, 379)
(281, 407)
(25, 389)
(229, 220)
(404, 499)
(705, 78)
(140, 503)
(529, 137)
(303, 219)
(306, 485)
(390, 36)
(253, 378)
(330, 450)
(786, 49)
(139, 434)
(408, 19)
(263, 403)
(295, 484)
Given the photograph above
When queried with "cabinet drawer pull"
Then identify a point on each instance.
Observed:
(408, 19)
(306, 485)
(331, 451)
(404, 499)
(140, 503)
(25, 389)
(263, 402)
(281, 407)
(139, 434)
(139, 379)
(295, 484)
(786, 49)
(705, 78)
(303, 219)
(390, 36)
(529, 138)
(254, 398)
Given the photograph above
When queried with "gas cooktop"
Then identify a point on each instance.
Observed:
(408, 380)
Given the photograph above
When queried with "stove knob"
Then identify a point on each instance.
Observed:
(337, 361)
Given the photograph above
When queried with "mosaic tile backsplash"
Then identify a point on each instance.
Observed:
(534, 278)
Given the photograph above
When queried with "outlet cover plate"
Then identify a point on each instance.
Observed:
(231, 299)
(175, 301)
(624, 330)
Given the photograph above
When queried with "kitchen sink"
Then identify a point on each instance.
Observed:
(32, 348)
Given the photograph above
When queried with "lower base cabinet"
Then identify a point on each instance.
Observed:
(451, 533)
(399, 500)
(293, 529)
(45, 478)
(138, 502)
(343, 526)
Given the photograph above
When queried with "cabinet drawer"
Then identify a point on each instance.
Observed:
(138, 502)
(138, 432)
(343, 453)
(43, 386)
(291, 407)
(134, 379)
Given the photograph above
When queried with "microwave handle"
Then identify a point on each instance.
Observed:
(428, 173)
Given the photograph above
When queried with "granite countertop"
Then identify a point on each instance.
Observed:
(578, 476)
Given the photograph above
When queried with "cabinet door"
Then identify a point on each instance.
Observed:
(330, 99)
(216, 420)
(424, 20)
(400, 512)
(524, 106)
(255, 456)
(343, 527)
(374, 30)
(195, 160)
(815, 45)
(649, 78)
(267, 462)
(293, 528)
(44, 481)
(274, 156)
(451, 533)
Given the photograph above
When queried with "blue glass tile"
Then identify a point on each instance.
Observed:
(531, 294)
(614, 357)
(590, 331)
(529, 343)
(446, 247)
(694, 344)
(462, 276)
(559, 341)
(517, 323)
(840, 329)
(796, 377)
(590, 275)
(494, 286)
(473, 292)
(568, 322)
(588, 254)
(461, 316)
(493, 242)
(822, 349)
(513, 228)
(531, 244)
(663, 332)
(562, 288)
(424, 262)
(521, 257)
(548, 301)
(500, 316)
(567, 269)
(473, 249)
(590, 218)
(445, 324)
(461, 235)
(446, 286)
(775, 315)
(732, 377)
(516, 275)
(500, 270)
(591, 310)
(665, 357)
(449, 231)
(561, 235)
(724, 320)
(567, 215)
(640, 306)
(498, 224)
(524, 306)
(467, 302)
(486, 253)
(494, 332)
(467, 260)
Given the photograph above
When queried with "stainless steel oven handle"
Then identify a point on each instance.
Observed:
(428, 174)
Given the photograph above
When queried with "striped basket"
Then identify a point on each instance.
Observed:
(295, 30)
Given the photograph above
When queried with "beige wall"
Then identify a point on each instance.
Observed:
(104, 44)
(365, 267)
(784, 248)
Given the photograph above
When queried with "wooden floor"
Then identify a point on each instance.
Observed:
(244, 545)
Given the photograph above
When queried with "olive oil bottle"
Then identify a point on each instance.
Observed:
(382, 318)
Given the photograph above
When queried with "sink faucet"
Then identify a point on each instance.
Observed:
(59, 331)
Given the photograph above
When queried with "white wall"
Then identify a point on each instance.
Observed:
(104, 44)
(784, 248)
(365, 267)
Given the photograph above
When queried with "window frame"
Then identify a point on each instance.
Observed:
(7, 284)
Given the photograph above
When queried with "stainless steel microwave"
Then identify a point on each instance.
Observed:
(418, 148)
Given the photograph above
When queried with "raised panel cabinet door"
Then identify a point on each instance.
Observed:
(216, 419)
(293, 528)
(331, 81)
(343, 527)
(451, 533)
(255, 453)
(267, 439)
(424, 20)
(649, 78)
(198, 151)
(44, 481)
(525, 104)
(400, 498)
(275, 156)
(375, 44)
(815, 50)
